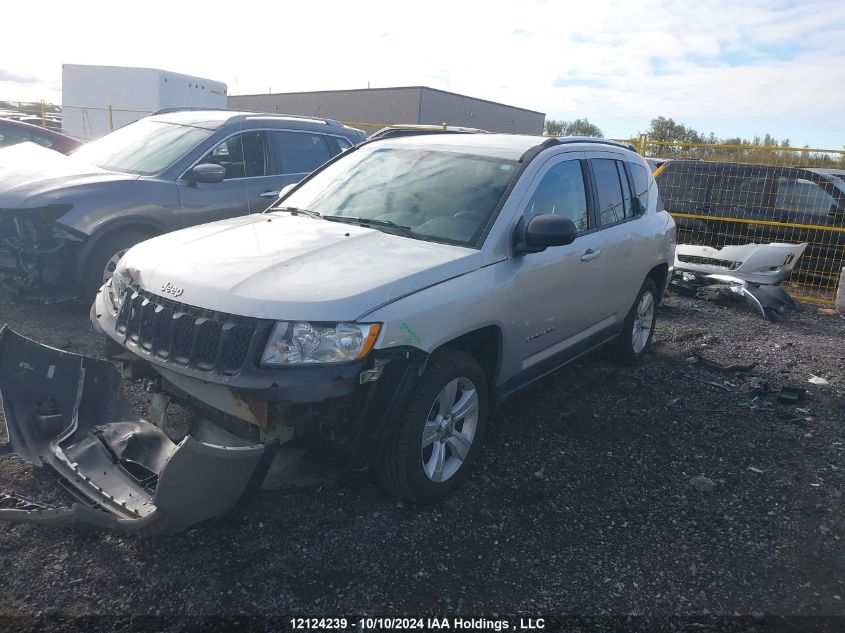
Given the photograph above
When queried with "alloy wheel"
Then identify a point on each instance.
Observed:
(643, 322)
(450, 429)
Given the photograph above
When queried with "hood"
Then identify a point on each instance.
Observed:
(32, 175)
(285, 267)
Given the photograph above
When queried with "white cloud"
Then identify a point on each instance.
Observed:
(722, 60)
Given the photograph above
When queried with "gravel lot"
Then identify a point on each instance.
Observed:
(582, 505)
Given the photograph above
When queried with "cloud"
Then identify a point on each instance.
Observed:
(726, 60)
(12, 77)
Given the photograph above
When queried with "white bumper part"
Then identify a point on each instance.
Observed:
(754, 263)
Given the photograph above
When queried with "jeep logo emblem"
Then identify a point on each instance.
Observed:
(171, 289)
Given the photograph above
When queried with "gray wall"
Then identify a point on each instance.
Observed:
(378, 106)
(439, 107)
(371, 109)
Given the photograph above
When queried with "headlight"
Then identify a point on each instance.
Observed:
(116, 289)
(303, 343)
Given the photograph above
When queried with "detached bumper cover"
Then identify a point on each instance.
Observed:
(65, 411)
(754, 263)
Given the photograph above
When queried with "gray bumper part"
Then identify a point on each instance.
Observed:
(65, 411)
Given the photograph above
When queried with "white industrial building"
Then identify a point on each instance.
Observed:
(97, 99)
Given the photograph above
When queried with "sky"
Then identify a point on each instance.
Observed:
(733, 67)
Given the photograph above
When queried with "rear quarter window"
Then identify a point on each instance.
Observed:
(641, 179)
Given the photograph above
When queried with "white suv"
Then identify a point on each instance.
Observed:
(383, 306)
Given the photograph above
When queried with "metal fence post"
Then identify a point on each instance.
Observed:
(643, 144)
(111, 119)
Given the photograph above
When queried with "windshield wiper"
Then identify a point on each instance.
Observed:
(405, 230)
(295, 210)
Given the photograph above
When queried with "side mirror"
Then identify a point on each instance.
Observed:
(286, 189)
(542, 231)
(207, 173)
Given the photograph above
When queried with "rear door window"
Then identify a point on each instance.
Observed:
(610, 192)
(300, 152)
(626, 189)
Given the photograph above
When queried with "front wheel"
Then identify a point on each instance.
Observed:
(104, 257)
(639, 326)
(433, 445)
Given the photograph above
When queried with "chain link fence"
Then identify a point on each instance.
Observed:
(81, 122)
(739, 194)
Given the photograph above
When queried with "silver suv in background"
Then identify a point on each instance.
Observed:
(377, 312)
(399, 130)
(66, 220)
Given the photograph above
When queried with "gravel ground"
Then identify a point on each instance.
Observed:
(582, 504)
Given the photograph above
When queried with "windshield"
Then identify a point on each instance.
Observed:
(439, 195)
(145, 147)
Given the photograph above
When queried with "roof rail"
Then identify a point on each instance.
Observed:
(304, 117)
(190, 109)
(566, 140)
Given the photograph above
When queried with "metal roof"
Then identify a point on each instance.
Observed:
(455, 94)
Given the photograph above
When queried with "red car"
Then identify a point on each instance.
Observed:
(12, 132)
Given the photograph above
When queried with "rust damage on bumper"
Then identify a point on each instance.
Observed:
(65, 412)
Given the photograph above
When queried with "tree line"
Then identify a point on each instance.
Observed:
(662, 129)
(764, 149)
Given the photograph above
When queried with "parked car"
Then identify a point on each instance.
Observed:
(13, 132)
(379, 310)
(835, 173)
(791, 202)
(395, 131)
(69, 219)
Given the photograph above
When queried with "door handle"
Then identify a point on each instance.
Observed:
(270, 195)
(590, 254)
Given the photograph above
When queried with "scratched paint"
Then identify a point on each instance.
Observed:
(412, 338)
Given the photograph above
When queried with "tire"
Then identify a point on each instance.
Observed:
(409, 467)
(105, 255)
(634, 342)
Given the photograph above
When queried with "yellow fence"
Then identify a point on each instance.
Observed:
(82, 122)
(739, 194)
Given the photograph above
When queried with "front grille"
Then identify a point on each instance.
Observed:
(186, 335)
(709, 261)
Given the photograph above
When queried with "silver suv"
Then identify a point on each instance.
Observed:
(384, 306)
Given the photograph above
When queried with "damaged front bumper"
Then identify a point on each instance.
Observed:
(760, 264)
(36, 252)
(65, 411)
